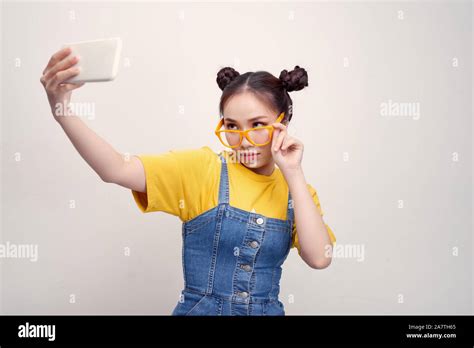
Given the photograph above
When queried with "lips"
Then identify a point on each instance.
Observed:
(249, 156)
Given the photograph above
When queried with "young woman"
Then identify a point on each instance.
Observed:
(241, 214)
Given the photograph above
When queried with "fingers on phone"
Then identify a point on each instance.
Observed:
(57, 57)
(63, 75)
(64, 64)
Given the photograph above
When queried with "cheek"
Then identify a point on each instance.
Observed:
(266, 151)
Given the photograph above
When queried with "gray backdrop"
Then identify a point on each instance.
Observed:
(386, 123)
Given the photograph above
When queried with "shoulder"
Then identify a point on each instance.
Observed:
(203, 151)
(192, 161)
(197, 161)
(201, 156)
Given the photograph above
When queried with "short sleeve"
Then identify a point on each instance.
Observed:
(332, 237)
(174, 180)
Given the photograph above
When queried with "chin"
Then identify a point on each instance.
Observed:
(254, 164)
(251, 165)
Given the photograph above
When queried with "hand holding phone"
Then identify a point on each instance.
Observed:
(98, 59)
(61, 67)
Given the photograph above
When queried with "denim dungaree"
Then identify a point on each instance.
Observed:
(232, 259)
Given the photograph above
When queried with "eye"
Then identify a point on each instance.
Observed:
(258, 124)
(230, 126)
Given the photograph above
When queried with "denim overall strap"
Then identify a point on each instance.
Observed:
(222, 206)
(223, 185)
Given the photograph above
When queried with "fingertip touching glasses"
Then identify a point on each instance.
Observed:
(258, 136)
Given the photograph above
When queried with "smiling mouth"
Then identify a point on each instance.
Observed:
(249, 156)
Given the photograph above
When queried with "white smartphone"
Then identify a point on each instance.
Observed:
(98, 59)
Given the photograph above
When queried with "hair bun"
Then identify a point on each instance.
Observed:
(294, 80)
(225, 76)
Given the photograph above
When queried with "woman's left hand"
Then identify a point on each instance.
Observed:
(286, 150)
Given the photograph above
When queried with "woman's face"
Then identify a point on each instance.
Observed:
(244, 111)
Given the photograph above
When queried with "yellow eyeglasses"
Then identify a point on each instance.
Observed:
(258, 136)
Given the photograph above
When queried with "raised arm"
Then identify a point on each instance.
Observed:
(109, 164)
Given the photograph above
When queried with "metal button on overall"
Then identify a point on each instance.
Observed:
(254, 244)
(232, 259)
(248, 268)
(243, 294)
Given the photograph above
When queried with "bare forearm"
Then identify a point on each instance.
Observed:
(313, 236)
(102, 157)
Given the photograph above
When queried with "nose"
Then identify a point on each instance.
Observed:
(245, 143)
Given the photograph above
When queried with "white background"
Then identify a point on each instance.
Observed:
(171, 55)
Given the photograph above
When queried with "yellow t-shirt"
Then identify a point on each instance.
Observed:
(185, 183)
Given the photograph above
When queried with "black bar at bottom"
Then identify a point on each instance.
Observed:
(291, 330)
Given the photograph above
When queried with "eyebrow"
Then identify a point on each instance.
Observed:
(252, 119)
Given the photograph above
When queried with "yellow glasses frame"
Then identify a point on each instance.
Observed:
(244, 133)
